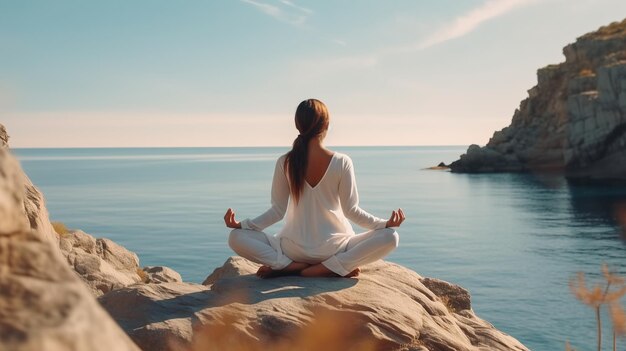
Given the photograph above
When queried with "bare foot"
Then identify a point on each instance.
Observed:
(319, 270)
(292, 269)
(354, 273)
(263, 272)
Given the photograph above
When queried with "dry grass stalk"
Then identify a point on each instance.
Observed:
(142, 275)
(586, 72)
(60, 228)
(445, 300)
(620, 216)
(612, 29)
(569, 347)
(600, 295)
(328, 330)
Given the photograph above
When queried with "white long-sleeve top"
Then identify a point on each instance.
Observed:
(319, 222)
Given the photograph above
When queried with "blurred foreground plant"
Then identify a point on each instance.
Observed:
(607, 293)
(328, 330)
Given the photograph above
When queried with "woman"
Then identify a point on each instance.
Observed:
(317, 239)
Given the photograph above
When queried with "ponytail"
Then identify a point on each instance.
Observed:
(311, 120)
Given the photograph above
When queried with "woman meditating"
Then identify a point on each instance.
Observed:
(317, 239)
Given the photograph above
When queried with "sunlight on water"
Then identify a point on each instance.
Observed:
(513, 240)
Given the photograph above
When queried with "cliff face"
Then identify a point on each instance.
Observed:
(43, 305)
(574, 119)
(33, 202)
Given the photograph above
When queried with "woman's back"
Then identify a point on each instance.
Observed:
(318, 222)
(318, 162)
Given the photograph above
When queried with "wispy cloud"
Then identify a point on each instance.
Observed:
(339, 42)
(293, 5)
(456, 28)
(283, 10)
(467, 22)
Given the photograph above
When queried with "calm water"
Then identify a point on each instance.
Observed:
(512, 240)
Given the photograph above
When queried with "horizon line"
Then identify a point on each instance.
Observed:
(221, 146)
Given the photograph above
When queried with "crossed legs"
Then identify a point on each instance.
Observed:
(361, 249)
(256, 247)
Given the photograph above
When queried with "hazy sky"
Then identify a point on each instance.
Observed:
(231, 73)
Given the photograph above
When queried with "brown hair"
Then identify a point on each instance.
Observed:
(311, 120)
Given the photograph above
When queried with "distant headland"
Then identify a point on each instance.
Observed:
(573, 121)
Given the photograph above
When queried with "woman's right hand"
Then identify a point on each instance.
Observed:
(397, 217)
(229, 218)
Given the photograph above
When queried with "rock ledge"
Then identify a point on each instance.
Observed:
(388, 307)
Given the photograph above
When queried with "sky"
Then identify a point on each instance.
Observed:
(161, 73)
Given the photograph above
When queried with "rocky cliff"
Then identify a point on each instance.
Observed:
(43, 304)
(574, 119)
(33, 202)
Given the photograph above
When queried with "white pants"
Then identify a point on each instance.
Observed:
(361, 249)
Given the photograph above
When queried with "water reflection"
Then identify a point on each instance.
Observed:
(546, 229)
(555, 201)
(599, 204)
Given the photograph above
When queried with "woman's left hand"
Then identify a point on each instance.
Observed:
(397, 217)
(229, 218)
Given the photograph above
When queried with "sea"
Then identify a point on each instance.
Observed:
(514, 241)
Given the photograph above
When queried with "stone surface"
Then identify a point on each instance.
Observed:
(161, 274)
(105, 266)
(43, 305)
(34, 206)
(102, 264)
(12, 219)
(4, 137)
(573, 121)
(388, 307)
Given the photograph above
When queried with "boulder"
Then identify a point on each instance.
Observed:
(573, 121)
(387, 307)
(104, 265)
(161, 274)
(43, 305)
